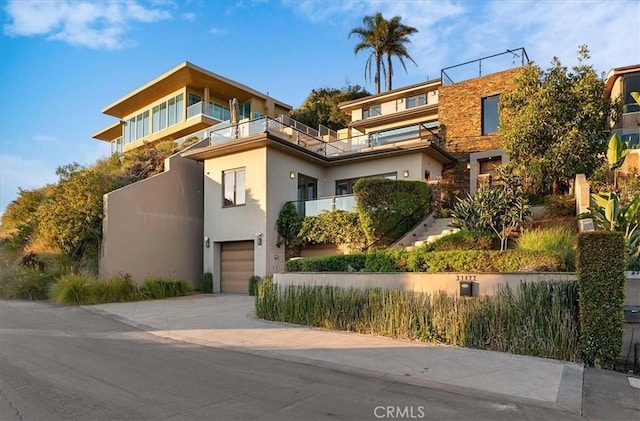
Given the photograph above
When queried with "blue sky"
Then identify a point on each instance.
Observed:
(62, 62)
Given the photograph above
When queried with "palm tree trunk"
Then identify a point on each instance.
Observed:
(377, 78)
(389, 71)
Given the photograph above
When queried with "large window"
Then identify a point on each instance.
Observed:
(346, 186)
(372, 111)
(233, 187)
(307, 188)
(631, 84)
(416, 101)
(490, 114)
(167, 113)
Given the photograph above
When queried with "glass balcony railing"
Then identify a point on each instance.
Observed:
(315, 206)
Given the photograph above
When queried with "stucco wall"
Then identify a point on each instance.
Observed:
(154, 227)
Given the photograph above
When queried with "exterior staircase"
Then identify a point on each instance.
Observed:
(427, 231)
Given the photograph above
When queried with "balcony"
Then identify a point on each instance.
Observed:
(315, 206)
(322, 142)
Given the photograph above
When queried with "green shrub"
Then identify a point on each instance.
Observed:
(539, 320)
(73, 290)
(389, 208)
(332, 227)
(557, 240)
(389, 260)
(601, 278)
(206, 283)
(422, 260)
(253, 284)
(338, 263)
(27, 284)
(158, 287)
(465, 240)
(115, 289)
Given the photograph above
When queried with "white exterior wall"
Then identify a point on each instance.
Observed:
(238, 223)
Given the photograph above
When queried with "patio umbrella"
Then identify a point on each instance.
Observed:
(234, 107)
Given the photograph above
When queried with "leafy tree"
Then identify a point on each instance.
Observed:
(321, 106)
(19, 220)
(554, 124)
(398, 36)
(383, 37)
(71, 219)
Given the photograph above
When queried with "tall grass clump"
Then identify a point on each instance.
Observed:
(540, 319)
(558, 240)
(76, 289)
(27, 284)
(158, 287)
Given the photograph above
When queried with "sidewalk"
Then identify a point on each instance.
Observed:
(228, 321)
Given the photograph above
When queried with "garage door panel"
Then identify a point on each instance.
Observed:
(236, 266)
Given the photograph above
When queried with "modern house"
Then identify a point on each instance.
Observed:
(621, 82)
(441, 133)
(154, 227)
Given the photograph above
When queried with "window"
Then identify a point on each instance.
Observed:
(171, 112)
(632, 140)
(416, 101)
(631, 84)
(307, 187)
(346, 186)
(372, 111)
(490, 114)
(233, 187)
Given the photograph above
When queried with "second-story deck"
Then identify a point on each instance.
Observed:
(324, 142)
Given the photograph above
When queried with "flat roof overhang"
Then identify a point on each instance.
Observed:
(427, 112)
(185, 74)
(429, 85)
(285, 145)
(109, 133)
(614, 74)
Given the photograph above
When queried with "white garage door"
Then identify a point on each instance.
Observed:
(236, 266)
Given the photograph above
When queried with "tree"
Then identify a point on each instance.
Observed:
(71, 218)
(372, 36)
(554, 124)
(383, 37)
(397, 37)
(321, 106)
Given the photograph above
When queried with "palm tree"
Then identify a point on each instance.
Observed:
(397, 37)
(373, 36)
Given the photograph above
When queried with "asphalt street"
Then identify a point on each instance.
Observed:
(61, 363)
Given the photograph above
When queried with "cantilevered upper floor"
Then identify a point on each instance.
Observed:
(183, 101)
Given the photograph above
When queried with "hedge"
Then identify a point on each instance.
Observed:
(383, 204)
(422, 260)
(601, 279)
(339, 263)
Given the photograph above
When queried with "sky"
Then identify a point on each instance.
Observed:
(62, 62)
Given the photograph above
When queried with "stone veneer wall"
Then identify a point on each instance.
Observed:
(460, 118)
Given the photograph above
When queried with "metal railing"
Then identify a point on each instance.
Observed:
(492, 64)
(311, 139)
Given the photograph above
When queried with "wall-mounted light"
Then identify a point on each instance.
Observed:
(206, 242)
(468, 165)
(292, 175)
(405, 173)
(259, 239)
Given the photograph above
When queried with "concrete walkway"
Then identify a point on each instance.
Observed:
(228, 321)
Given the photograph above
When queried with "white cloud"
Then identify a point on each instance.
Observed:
(454, 32)
(217, 31)
(190, 17)
(97, 25)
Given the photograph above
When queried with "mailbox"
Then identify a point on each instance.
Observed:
(466, 288)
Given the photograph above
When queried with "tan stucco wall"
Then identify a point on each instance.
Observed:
(154, 227)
